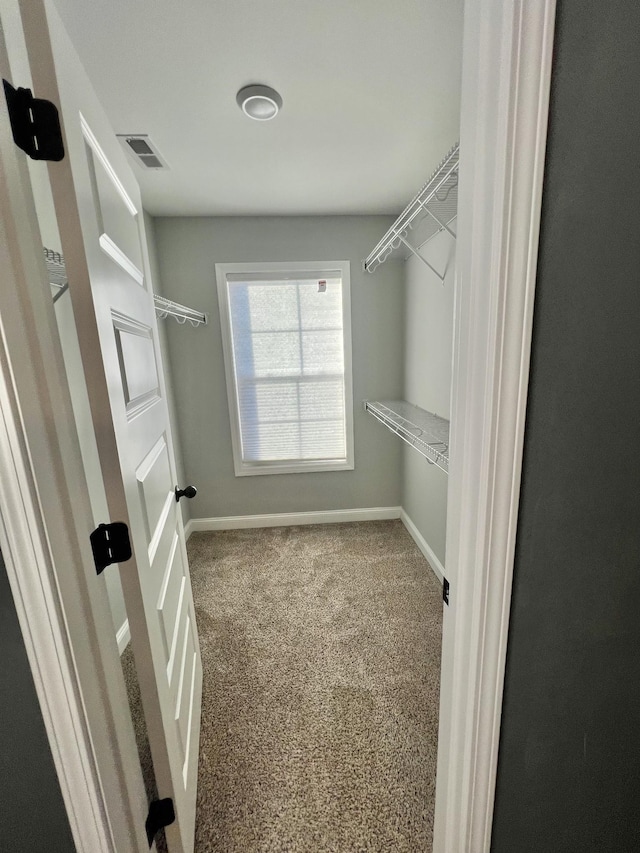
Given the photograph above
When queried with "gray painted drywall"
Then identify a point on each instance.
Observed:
(33, 818)
(428, 355)
(568, 771)
(188, 249)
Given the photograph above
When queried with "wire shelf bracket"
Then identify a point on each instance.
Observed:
(426, 432)
(429, 213)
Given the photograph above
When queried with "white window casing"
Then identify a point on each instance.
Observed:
(286, 335)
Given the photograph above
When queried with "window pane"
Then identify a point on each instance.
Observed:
(322, 353)
(288, 348)
(274, 354)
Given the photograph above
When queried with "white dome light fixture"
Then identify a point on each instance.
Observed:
(261, 103)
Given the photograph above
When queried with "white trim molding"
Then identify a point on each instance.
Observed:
(42, 625)
(507, 52)
(276, 273)
(290, 519)
(45, 510)
(95, 146)
(123, 636)
(339, 516)
(118, 256)
(423, 545)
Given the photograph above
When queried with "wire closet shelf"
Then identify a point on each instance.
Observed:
(431, 211)
(180, 313)
(426, 432)
(57, 273)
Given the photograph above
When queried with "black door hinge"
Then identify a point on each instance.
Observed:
(445, 591)
(110, 544)
(161, 814)
(35, 124)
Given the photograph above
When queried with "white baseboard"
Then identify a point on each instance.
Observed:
(421, 542)
(288, 519)
(123, 636)
(336, 516)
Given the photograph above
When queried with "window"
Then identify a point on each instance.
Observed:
(286, 334)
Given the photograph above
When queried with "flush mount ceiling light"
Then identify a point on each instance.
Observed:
(259, 102)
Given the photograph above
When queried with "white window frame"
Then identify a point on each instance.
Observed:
(288, 270)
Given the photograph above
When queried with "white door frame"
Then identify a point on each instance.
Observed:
(505, 90)
(45, 522)
(507, 51)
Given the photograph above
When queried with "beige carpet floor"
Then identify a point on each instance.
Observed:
(321, 656)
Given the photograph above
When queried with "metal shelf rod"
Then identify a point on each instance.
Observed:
(424, 260)
(62, 289)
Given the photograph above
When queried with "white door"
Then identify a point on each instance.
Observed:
(102, 231)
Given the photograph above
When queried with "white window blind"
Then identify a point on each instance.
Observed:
(287, 351)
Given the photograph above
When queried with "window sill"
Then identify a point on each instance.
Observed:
(313, 467)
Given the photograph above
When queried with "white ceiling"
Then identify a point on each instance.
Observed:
(370, 90)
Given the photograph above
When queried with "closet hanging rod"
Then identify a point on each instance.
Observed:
(167, 308)
(436, 204)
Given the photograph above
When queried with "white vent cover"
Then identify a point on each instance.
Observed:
(142, 149)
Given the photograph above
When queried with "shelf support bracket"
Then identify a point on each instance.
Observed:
(418, 255)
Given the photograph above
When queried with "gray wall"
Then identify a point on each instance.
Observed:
(428, 355)
(188, 249)
(33, 818)
(569, 772)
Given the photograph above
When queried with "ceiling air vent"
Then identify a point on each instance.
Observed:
(142, 149)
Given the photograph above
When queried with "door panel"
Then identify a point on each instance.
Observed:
(154, 477)
(134, 381)
(136, 357)
(99, 216)
(171, 596)
(113, 214)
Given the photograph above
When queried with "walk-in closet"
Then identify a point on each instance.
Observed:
(254, 288)
(307, 351)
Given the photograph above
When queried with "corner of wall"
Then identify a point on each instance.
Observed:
(427, 383)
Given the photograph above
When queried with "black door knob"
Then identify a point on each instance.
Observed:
(188, 492)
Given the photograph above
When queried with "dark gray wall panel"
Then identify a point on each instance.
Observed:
(33, 818)
(569, 765)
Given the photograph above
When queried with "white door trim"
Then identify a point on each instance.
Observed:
(61, 604)
(507, 52)
(23, 543)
